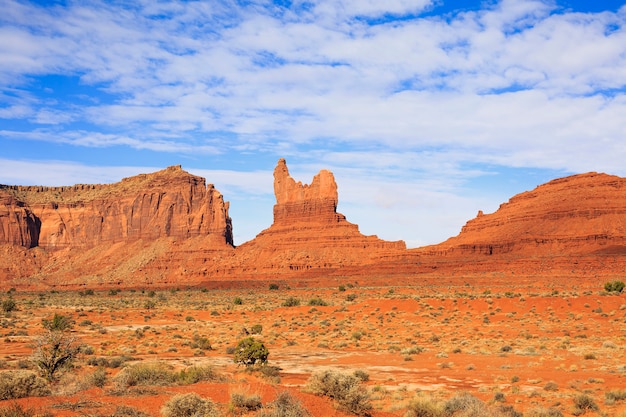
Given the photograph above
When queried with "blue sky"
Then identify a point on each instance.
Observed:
(425, 111)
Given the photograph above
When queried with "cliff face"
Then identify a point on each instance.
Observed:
(168, 203)
(18, 225)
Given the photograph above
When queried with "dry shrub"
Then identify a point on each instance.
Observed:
(242, 400)
(21, 384)
(466, 405)
(126, 411)
(424, 407)
(285, 405)
(584, 403)
(544, 412)
(16, 410)
(160, 373)
(189, 405)
(55, 351)
(149, 373)
(614, 395)
(197, 373)
(345, 389)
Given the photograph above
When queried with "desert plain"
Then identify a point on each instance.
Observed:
(527, 349)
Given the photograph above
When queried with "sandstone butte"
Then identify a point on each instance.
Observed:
(170, 228)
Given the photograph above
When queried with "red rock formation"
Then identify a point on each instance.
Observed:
(576, 214)
(168, 203)
(170, 229)
(308, 235)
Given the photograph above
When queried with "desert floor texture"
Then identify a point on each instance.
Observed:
(529, 349)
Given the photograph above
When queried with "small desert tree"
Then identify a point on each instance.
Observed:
(55, 349)
(250, 351)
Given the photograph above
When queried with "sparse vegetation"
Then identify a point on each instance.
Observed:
(161, 373)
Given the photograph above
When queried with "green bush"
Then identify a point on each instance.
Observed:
(250, 351)
(273, 287)
(237, 301)
(291, 302)
(22, 384)
(316, 301)
(189, 405)
(58, 322)
(256, 329)
(285, 405)
(345, 389)
(614, 286)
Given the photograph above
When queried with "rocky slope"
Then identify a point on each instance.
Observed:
(170, 229)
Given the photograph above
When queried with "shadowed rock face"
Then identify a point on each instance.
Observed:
(168, 203)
